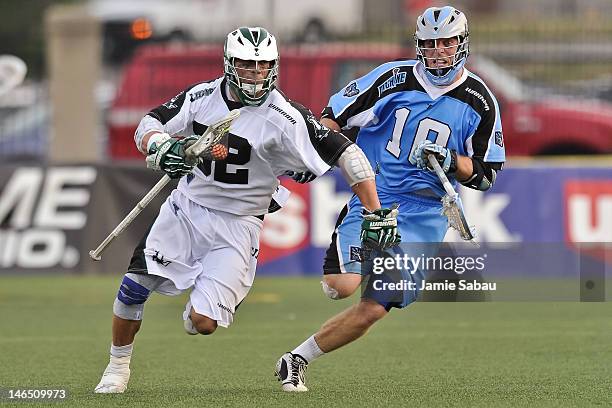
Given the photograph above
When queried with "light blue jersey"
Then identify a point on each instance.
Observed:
(397, 109)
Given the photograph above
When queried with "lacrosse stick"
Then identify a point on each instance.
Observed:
(216, 133)
(452, 207)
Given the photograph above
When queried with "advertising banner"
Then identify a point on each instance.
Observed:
(50, 217)
(560, 206)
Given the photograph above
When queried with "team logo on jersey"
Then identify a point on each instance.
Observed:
(499, 138)
(200, 94)
(355, 253)
(320, 131)
(397, 77)
(170, 104)
(160, 259)
(351, 90)
(255, 252)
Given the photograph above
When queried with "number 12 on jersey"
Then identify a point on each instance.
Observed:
(425, 126)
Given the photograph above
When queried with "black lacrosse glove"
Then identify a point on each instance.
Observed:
(301, 177)
(379, 228)
(170, 157)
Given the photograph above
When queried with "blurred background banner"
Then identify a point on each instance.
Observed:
(535, 204)
(52, 216)
(70, 170)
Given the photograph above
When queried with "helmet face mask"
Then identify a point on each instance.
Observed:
(442, 43)
(251, 81)
(251, 64)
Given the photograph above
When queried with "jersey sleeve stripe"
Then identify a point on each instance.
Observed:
(476, 94)
(493, 149)
(362, 119)
(328, 143)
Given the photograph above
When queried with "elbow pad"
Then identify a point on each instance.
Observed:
(484, 174)
(355, 165)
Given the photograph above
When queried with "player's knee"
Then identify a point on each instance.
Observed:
(130, 300)
(330, 291)
(340, 286)
(203, 324)
(369, 313)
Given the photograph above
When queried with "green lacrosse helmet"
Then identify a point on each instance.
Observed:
(251, 44)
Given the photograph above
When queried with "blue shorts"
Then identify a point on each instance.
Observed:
(421, 225)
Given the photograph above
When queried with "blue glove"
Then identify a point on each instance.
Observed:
(301, 177)
(442, 154)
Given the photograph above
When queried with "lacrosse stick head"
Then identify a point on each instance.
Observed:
(216, 134)
(452, 208)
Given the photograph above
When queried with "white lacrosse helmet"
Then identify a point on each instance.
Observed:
(442, 22)
(251, 44)
(12, 72)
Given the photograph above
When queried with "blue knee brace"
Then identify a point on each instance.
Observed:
(132, 293)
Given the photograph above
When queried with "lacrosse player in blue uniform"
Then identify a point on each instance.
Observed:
(406, 111)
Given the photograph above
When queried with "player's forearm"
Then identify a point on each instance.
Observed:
(474, 172)
(145, 141)
(465, 168)
(328, 123)
(366, 191)
(147, 127)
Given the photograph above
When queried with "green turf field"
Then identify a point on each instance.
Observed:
(54, 332)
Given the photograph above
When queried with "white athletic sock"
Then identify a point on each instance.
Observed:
(121, 354)
(309, 349)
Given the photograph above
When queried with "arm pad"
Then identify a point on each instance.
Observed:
(355, 165)
(484, 174)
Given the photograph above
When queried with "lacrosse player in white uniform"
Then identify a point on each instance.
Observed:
(206, 236)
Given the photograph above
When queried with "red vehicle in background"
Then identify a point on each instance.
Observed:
(543, 125)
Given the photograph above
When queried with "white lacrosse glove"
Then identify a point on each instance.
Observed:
(446, 157)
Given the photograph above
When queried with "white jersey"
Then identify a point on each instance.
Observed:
(264, 142)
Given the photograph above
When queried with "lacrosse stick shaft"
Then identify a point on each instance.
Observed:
(142, 204)
(448, 187)
(191, 152)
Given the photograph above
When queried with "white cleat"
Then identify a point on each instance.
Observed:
(290, 371)
(115, 378)
(187, 323)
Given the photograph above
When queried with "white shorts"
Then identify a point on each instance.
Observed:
(212, 252)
